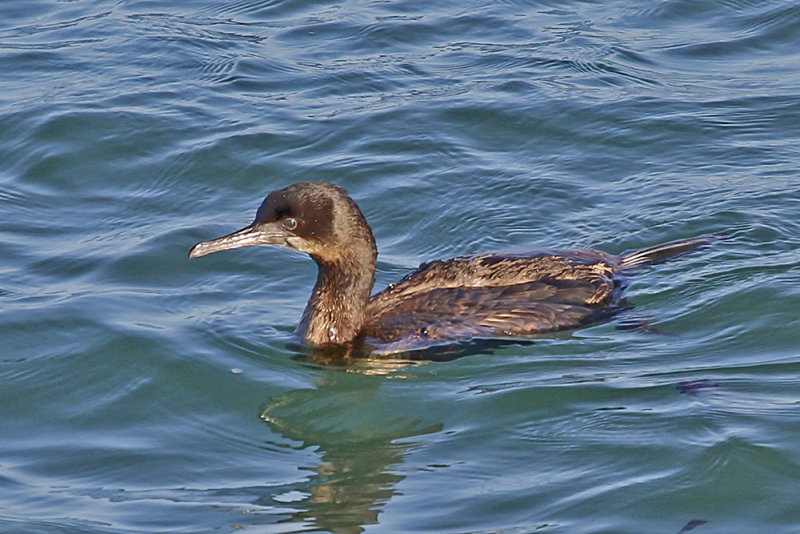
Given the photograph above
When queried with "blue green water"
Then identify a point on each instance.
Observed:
(141, 392)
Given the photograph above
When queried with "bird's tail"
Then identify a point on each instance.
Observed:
(665, 252)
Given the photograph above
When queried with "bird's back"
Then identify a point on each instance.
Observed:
(493, 295)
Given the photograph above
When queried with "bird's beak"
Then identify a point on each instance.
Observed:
(255, 234)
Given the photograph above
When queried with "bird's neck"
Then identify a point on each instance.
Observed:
(335, 312)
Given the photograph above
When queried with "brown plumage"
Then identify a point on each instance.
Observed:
(443, 301)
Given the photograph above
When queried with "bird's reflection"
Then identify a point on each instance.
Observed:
(362, 438)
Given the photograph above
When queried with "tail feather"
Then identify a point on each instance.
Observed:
(665, 252)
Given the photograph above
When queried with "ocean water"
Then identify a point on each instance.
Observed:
(142, 392)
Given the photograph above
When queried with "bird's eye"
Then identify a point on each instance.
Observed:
(290, 224)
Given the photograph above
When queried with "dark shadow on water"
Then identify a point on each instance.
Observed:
(344, 357)
(361, 353)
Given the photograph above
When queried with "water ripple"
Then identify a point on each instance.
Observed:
(138, 386)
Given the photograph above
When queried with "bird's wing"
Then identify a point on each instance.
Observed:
(501, 270)
(452, 314)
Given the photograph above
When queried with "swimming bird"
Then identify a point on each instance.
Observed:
(444, 301)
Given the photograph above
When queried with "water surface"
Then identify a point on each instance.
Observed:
(142, 392)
